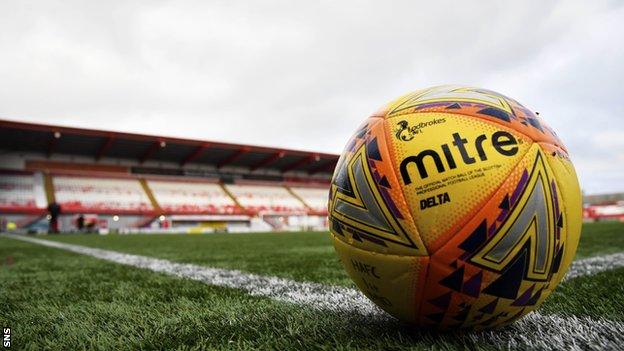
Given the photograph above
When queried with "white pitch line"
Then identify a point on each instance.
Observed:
(321, 296)
(593, 265)
(535, 331)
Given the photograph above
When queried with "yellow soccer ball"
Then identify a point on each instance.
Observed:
(455, 207)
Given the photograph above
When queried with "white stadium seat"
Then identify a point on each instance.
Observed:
(315, 198)
(266, 198)
(81, 194)
(179, 197)
(17, 191)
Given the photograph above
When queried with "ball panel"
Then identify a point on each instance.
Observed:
(390, 281)
(475, 102)
(449, 165)
(366, 207)
(571, 202)
(502, 264)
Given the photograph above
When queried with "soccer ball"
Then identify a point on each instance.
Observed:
(455, 207)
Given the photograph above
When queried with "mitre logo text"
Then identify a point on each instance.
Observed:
(405, 132)
(444, 157)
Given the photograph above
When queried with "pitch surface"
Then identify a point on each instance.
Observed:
(60, 299)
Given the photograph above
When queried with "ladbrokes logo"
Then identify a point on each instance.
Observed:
(405, 132)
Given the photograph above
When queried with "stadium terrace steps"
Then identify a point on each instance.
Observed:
(133, 201)
(193, 197)
(314, 198)
(263, 199)
(150, 195)
(234, 199)
(49, 187)
(79, 194)
(21, 193)
(298, 197)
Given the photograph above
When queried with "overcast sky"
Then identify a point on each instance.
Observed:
(304, 74)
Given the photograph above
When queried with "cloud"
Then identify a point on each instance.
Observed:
(305, 74)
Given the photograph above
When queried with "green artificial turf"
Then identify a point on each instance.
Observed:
(599, 295)
(53, 299)
(300, 256)
(601, 238)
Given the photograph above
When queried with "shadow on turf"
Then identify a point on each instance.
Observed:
(376, 329)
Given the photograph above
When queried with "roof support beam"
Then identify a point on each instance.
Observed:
(268, 160)
(233, 157)
(104, 148)
(302, 162)
(326, 167)
(151, 150)
(195, 154)
(52, 143)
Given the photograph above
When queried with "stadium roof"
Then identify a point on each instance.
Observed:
(50, 139)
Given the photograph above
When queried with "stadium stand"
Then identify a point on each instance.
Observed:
(314, 198)
(99, 195)
(133, 182)
(18, 192)
(266, 199)
(603, 207)
(178, 197)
